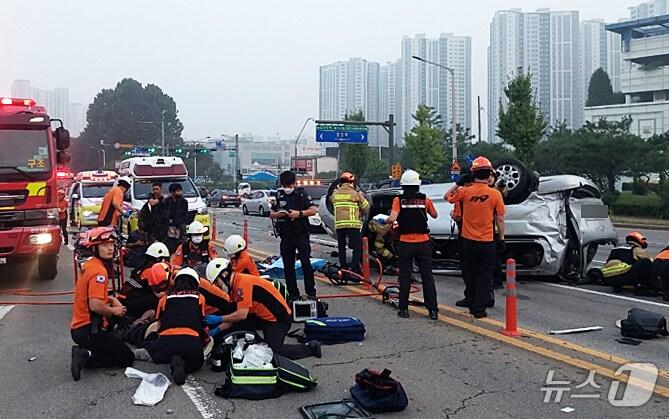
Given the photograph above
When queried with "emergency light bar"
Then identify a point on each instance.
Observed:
(17, 102)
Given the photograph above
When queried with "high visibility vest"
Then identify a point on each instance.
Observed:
(615, 268)
(347, 204)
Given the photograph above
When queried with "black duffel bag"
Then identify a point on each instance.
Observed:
(378, 392)
(643, 324)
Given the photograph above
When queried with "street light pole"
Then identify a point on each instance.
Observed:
(162, 133)
(454, 111)
(298, 137)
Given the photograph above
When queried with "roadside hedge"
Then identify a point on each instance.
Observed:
(638, 205)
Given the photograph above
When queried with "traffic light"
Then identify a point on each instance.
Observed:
(203, 150)
(127, 153)
(151, 150)
(178, 150)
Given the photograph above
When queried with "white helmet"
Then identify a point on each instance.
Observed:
(215, 267)
(234, 244)
(124, 179)
(410, 178)
(158, 250)
(196, 227)
(189, 272)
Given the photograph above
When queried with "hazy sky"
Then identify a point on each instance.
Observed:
(236, 66)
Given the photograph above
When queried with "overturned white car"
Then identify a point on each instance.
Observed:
(554, 224)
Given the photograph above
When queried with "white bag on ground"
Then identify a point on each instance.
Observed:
(152, 388)
(257, 355)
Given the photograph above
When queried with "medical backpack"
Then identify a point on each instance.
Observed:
(334, 329)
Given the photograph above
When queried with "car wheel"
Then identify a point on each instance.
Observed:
(261, 211)
(47, 266)
(245, 210)
(515, 179)
(237, 205)
(220, 204)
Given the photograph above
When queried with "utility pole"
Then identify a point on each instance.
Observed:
(236, 162)
(162, 133)
(195, 166)
(391, 138)
(478, 100)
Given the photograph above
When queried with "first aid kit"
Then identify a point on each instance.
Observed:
(334, 329)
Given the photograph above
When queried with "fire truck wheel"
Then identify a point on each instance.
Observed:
(47, 267)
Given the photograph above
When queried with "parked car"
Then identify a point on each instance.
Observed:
(259, 202)
(316, 192)
(212, 199)
(545, 231)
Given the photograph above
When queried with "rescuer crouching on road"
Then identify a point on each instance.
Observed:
(92, 309)
(242, 262)
(482, 208)
(410, 210)
(629, 264)
(350, 206)
(260, 306)
(181, 333)
(195, 250)
(136, 294)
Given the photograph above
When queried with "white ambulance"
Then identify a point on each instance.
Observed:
(144, 171)
(86, 194)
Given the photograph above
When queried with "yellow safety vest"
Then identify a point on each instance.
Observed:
(347, 204)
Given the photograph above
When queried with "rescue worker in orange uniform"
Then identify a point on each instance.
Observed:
(350, 206)
(195, 250)
(242, 262)
(482, 208)
(260, 306)
(62, 214)
(92, 308)
(181, 331)
(661, 271)
(465, 179)
(136, 294)
(410, 210)
(112, 204)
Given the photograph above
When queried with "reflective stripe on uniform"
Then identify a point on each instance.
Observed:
(614, 269)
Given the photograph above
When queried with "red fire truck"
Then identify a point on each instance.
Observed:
(28, 184)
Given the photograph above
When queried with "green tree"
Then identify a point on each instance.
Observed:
(521, 125)
(465, 138)
(600, 91)
(425, 142)
(492, 151)
(129, 113)
(354, 158)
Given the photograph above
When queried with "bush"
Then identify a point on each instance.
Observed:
(638, 205)
(639, 188)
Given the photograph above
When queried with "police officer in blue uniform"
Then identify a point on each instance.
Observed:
(290, 213)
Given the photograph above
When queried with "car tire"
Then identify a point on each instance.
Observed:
(245, 210)
(47, 267)
(220, 204)
(517, 178)
(237, 205)
(261, 211)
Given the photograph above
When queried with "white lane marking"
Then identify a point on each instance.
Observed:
(605, 294)
(4, 310)
(203, 402)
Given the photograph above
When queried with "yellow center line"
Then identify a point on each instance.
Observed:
(528, 346)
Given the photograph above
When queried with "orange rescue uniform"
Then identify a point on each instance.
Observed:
(480, 205)
(260, 297)
(92, 283)
(114, 196)
(244, 263)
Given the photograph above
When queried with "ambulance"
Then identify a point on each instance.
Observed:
(144, 171)
(86, 194)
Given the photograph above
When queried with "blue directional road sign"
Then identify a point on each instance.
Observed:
(356, 134)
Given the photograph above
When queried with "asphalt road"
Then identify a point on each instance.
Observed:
(456, 367)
